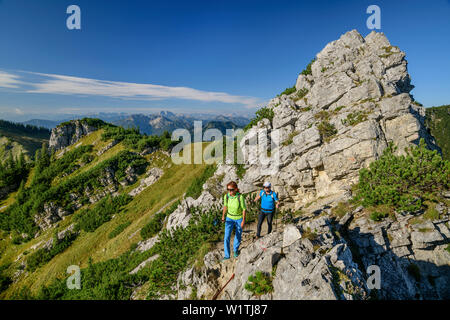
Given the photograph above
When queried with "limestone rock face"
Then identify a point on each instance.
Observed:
(51, 214)
(321, 268)
(355, 101)
(412, 258)
(152, 176)
(307, 259)
(69, 133)
(181, 216)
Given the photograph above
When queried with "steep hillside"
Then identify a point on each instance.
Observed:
(87, 201)
(438, 122)
(16, 138)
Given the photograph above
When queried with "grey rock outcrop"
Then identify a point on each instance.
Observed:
(412, 257)
(152, 176)
(144, 263)
(69, 133)
(310, 260)
(107, 147)
(307, 269)
(146, 245)
(182, 215)
(355, 101)
(52, 213)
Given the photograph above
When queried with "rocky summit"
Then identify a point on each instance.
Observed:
(69, 133)
(348, 105)
(351, 102)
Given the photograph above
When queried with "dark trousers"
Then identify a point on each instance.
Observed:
(261, 216)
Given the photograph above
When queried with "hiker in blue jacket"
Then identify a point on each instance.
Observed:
(269, 203)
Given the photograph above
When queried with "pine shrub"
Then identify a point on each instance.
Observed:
(404, 181)
(259, 284)
(263, 113)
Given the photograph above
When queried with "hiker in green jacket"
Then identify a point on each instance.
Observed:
(234, 208)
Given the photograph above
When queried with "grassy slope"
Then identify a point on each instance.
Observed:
(97, 244)
(438, 121)
(20, 142)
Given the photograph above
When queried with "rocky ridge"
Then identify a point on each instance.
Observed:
(344, 113)
(360, 88)
(69, 133)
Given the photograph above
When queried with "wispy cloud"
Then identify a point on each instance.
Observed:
(9, 80)
(70, 85)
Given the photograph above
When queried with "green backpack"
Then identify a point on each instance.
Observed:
(227, 196)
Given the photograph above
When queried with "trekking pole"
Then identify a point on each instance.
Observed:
(217, 294)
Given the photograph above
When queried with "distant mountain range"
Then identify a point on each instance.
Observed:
(159, 122)
(49, 124)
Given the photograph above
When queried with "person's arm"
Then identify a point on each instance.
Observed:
(225, 208)
(224, 212)
(258, 197)
(277, 202)
(244, 211)
(243, 218)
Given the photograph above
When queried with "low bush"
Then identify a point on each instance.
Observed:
(90, 219)
(118, 230)
(301, 93)
(259, 284)
(288, 91)
(308, 70)
(326, 130)
(378, 216)
(5, 281)
(290, 138)
(133, 139)
(404, 181)
(354, 118)
(263, 113)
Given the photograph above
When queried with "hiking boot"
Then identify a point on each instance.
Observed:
(236, 254)
(225, 259)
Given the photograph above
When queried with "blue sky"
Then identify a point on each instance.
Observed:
(195, 56)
